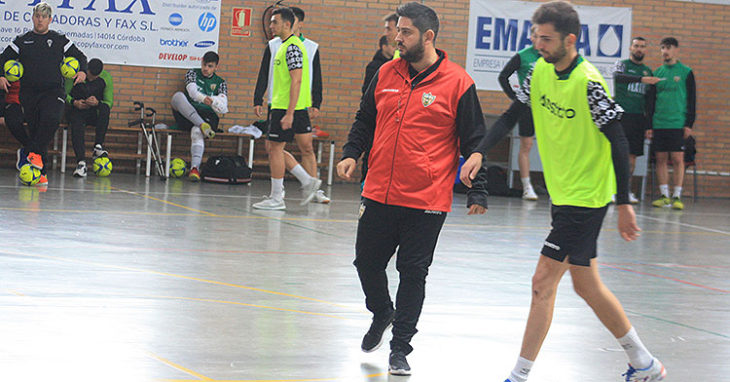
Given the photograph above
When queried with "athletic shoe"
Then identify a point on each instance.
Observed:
(310, 190)
(321, 198)
(35, 160)
(633, 199)
(194, 175)
(43, 181)
(529, 194)
(80, 171)
(655, 372)
(207, 130)
(397, 364)
(664, 201)
(22, 158)
(374, 337)
(677, 204)
(318, 133)
(270, 204)
(99, 152)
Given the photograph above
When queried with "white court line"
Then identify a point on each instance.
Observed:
(684, 224)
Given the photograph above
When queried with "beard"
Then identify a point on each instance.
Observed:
(557, 56)
(414, 54)
(637, 56)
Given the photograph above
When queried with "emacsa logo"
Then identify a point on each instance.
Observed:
(174, 42)
(207, 22)
(175, 19)
(204, 44)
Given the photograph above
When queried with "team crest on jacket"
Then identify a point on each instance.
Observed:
(427, 99)
(213, 86)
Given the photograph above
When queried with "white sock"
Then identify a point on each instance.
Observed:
(521, 370)
(639, 356)
(277, 188)
(301, 174)
(197, 147)
(526, 183)
(677, 192)
(664, 190)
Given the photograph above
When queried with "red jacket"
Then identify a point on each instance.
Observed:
(417, 125)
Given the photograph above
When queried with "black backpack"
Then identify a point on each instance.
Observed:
(226, 169)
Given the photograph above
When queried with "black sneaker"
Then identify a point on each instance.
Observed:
(99, 151)
(80, 171)
(374, 337)
(397, 364)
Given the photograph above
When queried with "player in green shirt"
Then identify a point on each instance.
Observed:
(89, 103)
(522, 63)
(672, 108)
(631, 80)
(200, 107)
(585, 158)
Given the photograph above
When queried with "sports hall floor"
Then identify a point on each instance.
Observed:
(132, 279)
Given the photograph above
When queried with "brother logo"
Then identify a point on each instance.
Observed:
(204, 44)
(175, 19)
(174, 42)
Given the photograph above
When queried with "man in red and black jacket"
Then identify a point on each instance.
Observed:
(419, 111)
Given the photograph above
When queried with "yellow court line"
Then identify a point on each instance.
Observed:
(164, 201)
(173, 275)
(279, 380)
(179, 367)
(15, 293)
(28, 209)
(249, 305)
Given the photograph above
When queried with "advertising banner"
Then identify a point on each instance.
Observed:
(162, 33)
(498, 29)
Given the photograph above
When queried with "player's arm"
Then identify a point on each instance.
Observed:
(316, 82)
(512, 66)
(691, 100)
(471, 130)
(108, 94)
(70, 50)
(262, 82)
(191, 86)
(362, 132)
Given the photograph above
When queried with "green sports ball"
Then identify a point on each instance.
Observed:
(29, 175)
(102, 166)
(13, 70)
(70, 67)
(178, 168)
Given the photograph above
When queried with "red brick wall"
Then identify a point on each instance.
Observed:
(348, 31)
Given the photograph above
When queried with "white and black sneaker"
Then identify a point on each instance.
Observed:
(374, 337)
(397, 364)
(80, 171)
(99, 151)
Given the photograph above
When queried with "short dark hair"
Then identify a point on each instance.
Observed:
(298, 13)
(383, 41)
(211, 57)
(670, 41)
(561, 15)
(422, 17)
(286, 15)
(638, 38)
(95, 66)
(391, 17)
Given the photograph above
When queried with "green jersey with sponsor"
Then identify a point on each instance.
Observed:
(670, 110)
(282, 77)
(631, 95)
(210, 86)
(528, 57)
(575, 154)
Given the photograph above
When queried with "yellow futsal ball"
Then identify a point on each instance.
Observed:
(102, 166)
(13, 70)
(178, 168)
(29, 175)
(70, 67)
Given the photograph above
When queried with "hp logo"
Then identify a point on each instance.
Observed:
(207, 22)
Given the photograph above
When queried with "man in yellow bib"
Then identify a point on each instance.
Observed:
(585, 158)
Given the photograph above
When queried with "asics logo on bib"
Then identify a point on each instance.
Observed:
(556, 109)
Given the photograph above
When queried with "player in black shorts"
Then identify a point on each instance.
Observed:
(631, 80)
